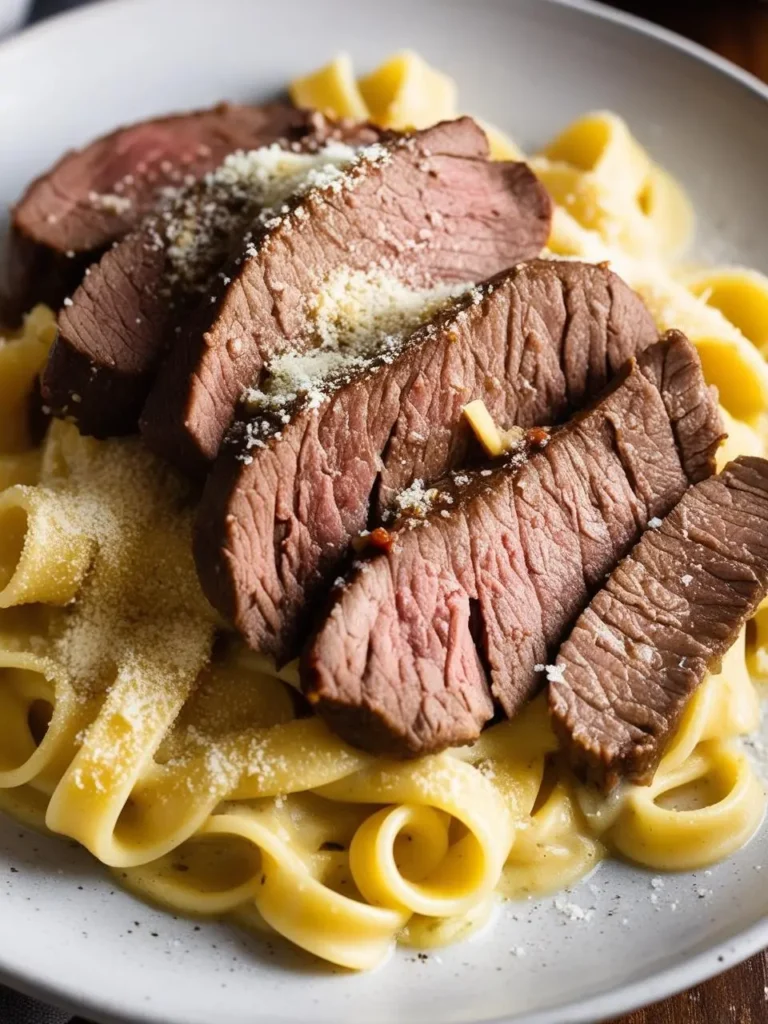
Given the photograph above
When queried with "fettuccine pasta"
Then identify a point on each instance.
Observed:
(130, 723)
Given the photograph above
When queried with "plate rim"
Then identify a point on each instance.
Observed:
(711, 961)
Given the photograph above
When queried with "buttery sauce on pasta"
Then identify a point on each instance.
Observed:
(130, 723)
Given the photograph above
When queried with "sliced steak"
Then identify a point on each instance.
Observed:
(468, 604)
(429, 207)
(114, 331)
(289, 491)
(665, 618)
(691, 405)
(95, 195)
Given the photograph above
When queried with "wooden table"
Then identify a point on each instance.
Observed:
(738, 29)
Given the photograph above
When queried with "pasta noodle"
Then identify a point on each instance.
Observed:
(21, 359)
(741, 295)
(332, 90)
(178, 758)
(405, 92)
(41, 557)
(705, 799)
(600, 175)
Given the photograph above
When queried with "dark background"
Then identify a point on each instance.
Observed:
(737, 29)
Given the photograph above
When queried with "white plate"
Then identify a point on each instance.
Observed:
(66, 933)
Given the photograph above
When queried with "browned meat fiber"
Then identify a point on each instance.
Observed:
(288, 492)
(93, 196)
(665, 618)
(428, 207)
(130, 305)
(468, 604)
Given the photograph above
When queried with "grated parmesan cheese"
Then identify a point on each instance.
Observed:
(416, 500)
(272, 174)
(200, 222)
(110, 202)
(141, 601)
(357, 319)
(573, 911)
(140, 630)
(554, 673)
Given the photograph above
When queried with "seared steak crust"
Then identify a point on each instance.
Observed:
(93, 196)
(665, 617)
(471, 602)
(276, 519)
(430, 208)
(691, 404)
(131, 305)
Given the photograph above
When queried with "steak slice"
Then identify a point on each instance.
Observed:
(291, 489)
(467, 604)
(429, 208)
(114, 331)
(695, 417)
(94, 196)
(665, 617)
